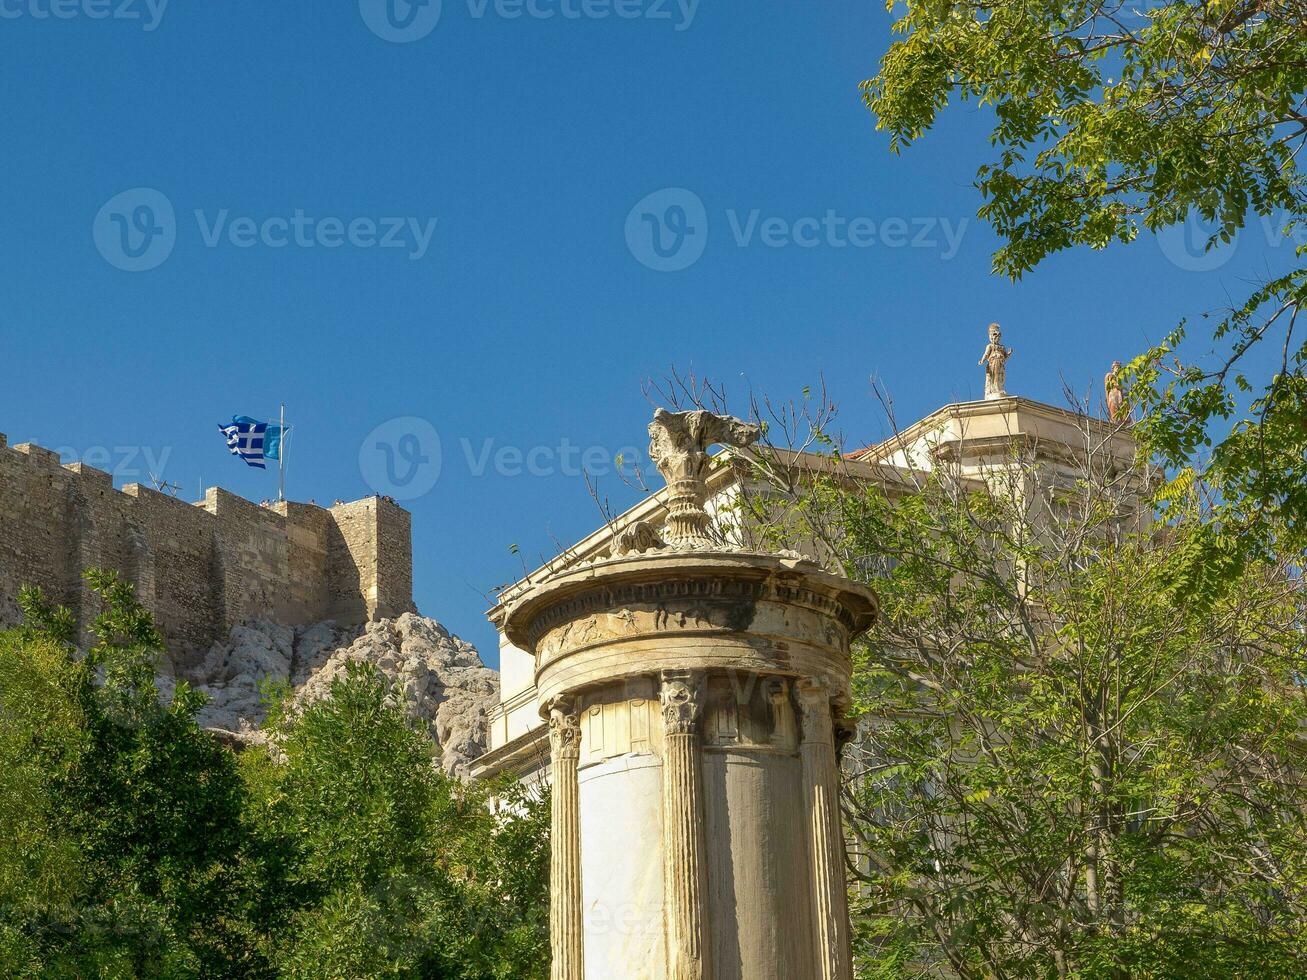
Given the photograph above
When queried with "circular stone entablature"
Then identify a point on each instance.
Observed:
(702, 609)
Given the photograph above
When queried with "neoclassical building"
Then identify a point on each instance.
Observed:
(686, 690)
(972, 435)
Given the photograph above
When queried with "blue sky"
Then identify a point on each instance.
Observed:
(441, 247)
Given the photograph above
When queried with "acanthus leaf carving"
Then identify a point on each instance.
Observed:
(564, 730)
(678, 445)
(813, 695)
(682, 698)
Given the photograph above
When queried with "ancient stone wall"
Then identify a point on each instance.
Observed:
(199, 568)
(394, 581)
(370, 557)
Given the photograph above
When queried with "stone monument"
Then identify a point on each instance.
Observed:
(695, 694)
(1115, 396)
(995, 360)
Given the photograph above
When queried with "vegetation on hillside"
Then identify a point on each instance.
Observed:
(133, 844)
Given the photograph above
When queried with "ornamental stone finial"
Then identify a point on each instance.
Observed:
(678, 446)
(995, 361)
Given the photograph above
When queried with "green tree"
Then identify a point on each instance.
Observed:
(121, 818)
(1081, 748)
(42, 736)
(134, 845)
(386, 866)
(1112, 116)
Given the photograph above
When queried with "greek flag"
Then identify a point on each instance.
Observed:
(252, 440)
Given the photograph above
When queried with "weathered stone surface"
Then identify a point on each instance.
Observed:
(995, 360)
(743, 813)
(440, 678)
(203, 568)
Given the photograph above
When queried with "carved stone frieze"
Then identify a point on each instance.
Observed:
(640, 536)
(725, 603)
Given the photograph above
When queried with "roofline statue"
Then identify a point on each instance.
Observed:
(995, 360)
(1114, 392)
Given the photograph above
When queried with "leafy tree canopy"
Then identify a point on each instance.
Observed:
(1114, 116)
(133, 844)
(1080, 747)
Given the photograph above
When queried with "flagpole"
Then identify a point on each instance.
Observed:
(281, 458)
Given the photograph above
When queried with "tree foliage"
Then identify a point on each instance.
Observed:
(1114, 116)
(138, 808)
(389, 867)
(1081, 762)
(133, 844)
(1081, 744)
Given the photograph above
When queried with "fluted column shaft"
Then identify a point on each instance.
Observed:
(565, 906)
(821, 788)
(685, 858)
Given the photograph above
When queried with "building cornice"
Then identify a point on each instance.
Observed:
(525, 754)
(1012, 406)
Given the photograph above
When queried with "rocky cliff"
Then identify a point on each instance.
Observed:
(441, 679)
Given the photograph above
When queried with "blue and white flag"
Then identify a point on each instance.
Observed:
(252, 440)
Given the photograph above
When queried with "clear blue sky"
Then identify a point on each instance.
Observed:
(527, 319)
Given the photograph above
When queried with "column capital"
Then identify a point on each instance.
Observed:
(846, 731)
(564, 729)
(682, 696)
(814, 699)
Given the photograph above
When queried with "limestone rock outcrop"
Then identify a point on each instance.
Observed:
(439, 678)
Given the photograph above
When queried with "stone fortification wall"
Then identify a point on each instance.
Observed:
(199, 568)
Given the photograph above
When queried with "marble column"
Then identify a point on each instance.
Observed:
(821, 789)
(685, 858)
(565, 912)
